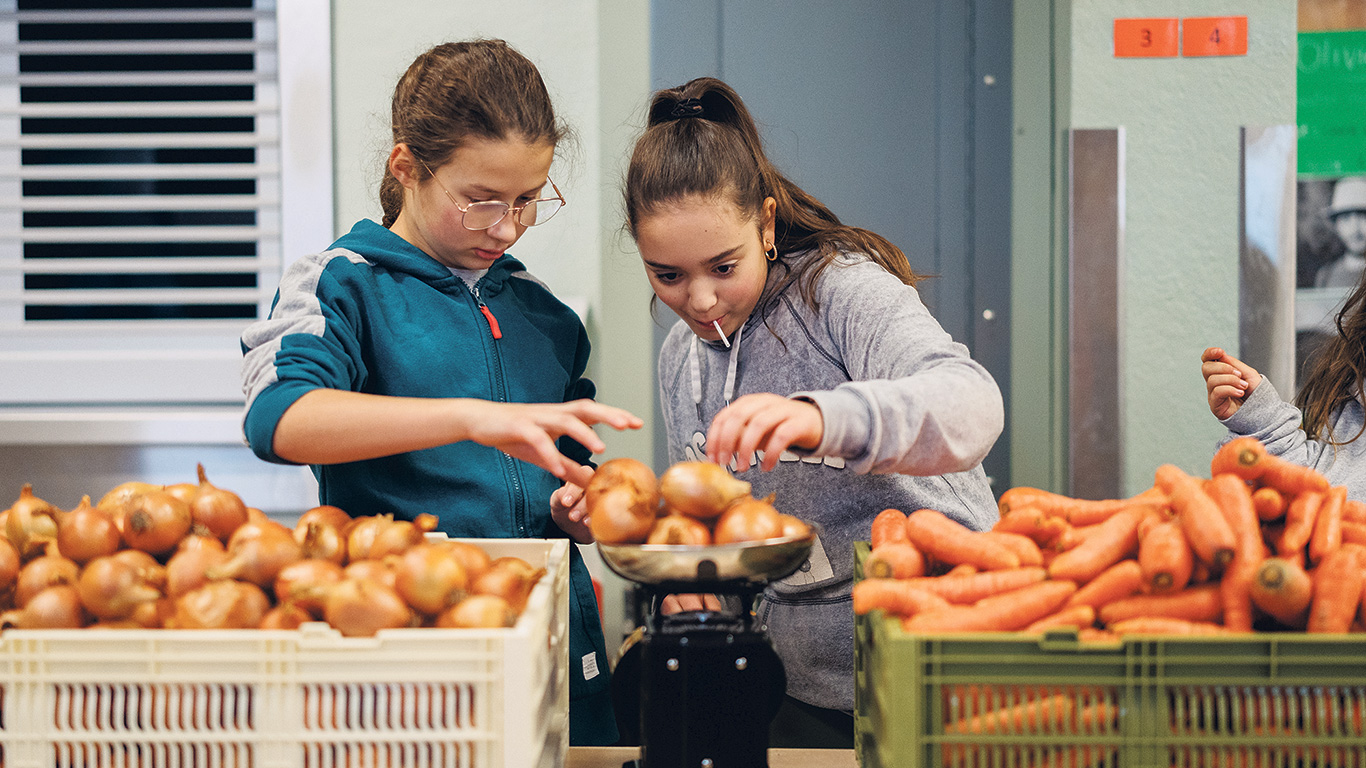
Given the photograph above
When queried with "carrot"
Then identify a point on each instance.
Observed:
(1074, 535)
(1166, 625)
(1116, 538)
(949, 541)
(1282, 590)
(1023, 546)
(1032, 522)
(894, 560)
(1202, 603)
(1353, 532)
(1074, 511)
(894, 596)
(962, 569)
(1327, 535)
(1079, 616)
(1354, 511)
(969, 588)
(1006, 611)
(1235, 501)
(1299, 523)
(1209, 534)
(1022, 496)
(1120, 580)
(1165, 558)
(1269, 503)
(1337, 590)
(1242, 456)
(1041, 715)
(888, 525)
(1096, 635)
(1290, 478)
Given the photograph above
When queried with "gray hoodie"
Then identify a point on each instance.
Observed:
(1265, 416)
(908, 418)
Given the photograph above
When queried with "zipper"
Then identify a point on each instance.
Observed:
(514, 475)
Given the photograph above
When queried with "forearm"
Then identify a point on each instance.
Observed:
(330, 426)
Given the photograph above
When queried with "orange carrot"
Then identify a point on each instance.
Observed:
(1242, 456)
(1299, 523)
(1079, 616)
(1235, 501)
(1353, 532)
(894, 560)
(1202, 603)
(1074, 511)
(1165, 558)
(1117, 537)
(949, 541)
(1042, 529)
(1269, 502)
(1096, 635)
(1354, 511)
(1023, 546)
(1074, 535)
(1166, 625)
(1209, 534)
(1282, 590)
(1006, 611)
(1290, 478)
(1327, 535)
(1337, 590)
(894, 596)
(888, 525)
(970, 588)
(1042, 715)
(963, 569)
(1120, 580)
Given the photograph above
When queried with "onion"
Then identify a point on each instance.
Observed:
(219, 510)
(155, 522)
(221, 605)
(9, 565)
(30, 522)
(379, 571)
(748, 520)
(700, 489)
(121, 496)
(57, 607)
(620, 516)
(259, 558)
(183, 491)
(429, 578)
(187, 570)
(285, 616)
(680, 529)
(478, 612)
(305, 584)
(322, 541)
(154, 614)
(359, 608)
(512, 584)
(793, 527)
(42, 572)
(152, 572)
(474, 559)
(110, 588)
(396, 536)
(323, 513)
(87, 532)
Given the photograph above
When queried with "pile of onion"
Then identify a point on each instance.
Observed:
(694, 503)
(195, 556)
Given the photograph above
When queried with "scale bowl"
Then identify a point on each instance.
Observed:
(747, 563)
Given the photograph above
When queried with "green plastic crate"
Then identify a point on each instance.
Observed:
(1269, 700)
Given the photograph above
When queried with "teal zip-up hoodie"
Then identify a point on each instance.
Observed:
(375, 314)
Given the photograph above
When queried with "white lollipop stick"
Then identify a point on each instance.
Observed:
(724, 340)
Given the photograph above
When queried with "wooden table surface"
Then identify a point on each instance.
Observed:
(613, 757)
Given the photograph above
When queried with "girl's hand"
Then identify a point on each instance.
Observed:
(528, 431)
(1228, 381)
(766, 422)
(678, 603)
(568, 511)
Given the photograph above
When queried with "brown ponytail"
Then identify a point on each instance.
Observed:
(701, 140)
(480, 89)
(1335, 372)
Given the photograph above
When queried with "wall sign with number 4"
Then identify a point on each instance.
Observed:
(1166, 37)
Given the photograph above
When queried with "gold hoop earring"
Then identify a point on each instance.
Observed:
(771, 251)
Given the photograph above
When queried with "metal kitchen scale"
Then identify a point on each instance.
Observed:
(705, 684)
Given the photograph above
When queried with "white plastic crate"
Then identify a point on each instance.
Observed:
(307, 698)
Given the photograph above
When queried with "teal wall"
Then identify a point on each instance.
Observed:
(1180, 240)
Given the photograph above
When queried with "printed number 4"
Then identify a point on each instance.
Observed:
(1214, 36)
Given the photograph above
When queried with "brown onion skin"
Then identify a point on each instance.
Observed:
(87, 532)
(323, 513)
(304, 584)
(680, 530)
(700, 489)
(471, 556)
(379, 571)
(151, 570)
(9, 565)
(187, 570)
(110, 588)
(43, 572)
(155, 522)
(30, 523)
(793, 527)
(429, 578)
(286, 616)
(620, 516)
(359, 608)
(511, 584)
(57, 607)
(259, 559)
(478, 612)
(120, 497)
(221, 605)
(322, 541)
(220, 511)
(748, 520)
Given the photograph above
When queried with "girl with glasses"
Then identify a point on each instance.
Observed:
(802, 348)
(418, 367)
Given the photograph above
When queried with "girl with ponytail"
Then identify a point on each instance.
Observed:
(803, 350)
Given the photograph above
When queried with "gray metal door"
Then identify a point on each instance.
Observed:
(896, 114)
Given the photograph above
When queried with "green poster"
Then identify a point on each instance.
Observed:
(1331, 103)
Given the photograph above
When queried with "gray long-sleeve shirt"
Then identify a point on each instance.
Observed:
(1265, 416)
(908, 417)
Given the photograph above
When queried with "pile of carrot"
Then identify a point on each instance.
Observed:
(1262, 544)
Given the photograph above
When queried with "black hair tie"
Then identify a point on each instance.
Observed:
(687, 108)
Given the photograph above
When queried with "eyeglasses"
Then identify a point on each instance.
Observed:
(477, 216)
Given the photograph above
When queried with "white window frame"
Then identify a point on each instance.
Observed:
(177, 383)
